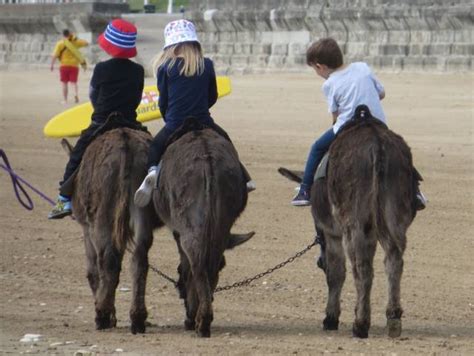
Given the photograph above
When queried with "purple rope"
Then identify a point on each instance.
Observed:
(16, 179)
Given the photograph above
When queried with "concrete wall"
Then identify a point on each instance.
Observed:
(272, 35)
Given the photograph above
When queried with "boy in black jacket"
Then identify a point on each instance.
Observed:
(116, 86)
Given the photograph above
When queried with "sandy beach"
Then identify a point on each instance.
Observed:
(273, 120)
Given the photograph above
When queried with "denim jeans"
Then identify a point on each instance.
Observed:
(319, 148)
(79, 149)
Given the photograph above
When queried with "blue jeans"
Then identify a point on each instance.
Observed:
(319, 148)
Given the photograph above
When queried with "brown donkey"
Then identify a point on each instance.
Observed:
(201, 192)
(366, 196)
(112, 168)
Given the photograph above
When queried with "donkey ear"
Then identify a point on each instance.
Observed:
(295, 176)
(238, 239)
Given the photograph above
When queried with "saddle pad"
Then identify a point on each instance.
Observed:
(322, 167)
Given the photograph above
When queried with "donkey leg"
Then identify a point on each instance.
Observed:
(91, 256)
(139, 267)
(109, 265)
(199, 271)
(204, 315)
(393, 268)
(191, 304)
(361, 249)
(335, 277)
(186, 288)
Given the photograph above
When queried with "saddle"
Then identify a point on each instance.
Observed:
(362, 116)
(190, 124)
(114, 121)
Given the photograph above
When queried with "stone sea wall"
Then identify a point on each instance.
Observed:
(273, 35)
(254, 36)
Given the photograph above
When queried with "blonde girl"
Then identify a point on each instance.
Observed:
(188, 88)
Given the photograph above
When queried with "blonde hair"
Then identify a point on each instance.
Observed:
(190, 52)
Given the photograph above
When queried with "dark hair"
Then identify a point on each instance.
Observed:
(325, 51)
(66, 33)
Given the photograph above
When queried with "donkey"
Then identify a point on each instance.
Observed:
(200, 193)
(112, 168)
(366, 196)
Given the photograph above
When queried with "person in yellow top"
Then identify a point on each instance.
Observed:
(70, 58)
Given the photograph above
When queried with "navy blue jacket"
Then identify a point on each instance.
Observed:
(116, 85)
(182, 97)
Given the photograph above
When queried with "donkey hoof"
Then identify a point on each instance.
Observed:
(138, 328)
(204, 333)
(360, 330)
(105, 322)
(189, 324)
(394, 327)
(330, 323)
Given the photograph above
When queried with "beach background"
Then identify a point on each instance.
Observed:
(272, 119)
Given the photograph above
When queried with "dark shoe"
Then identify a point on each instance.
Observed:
(302, 198)
(61, 209)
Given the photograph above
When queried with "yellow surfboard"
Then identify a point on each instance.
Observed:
(71, 122)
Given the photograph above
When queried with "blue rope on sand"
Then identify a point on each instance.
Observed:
(18, 188)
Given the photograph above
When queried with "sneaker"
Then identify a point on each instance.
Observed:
(302, 198)
(62, 208)
(144, 192)
(420, 200)
(251, 186)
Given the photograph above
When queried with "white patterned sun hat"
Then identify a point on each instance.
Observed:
(179, 31)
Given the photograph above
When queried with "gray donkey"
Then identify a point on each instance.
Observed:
(367, 196)
(111, 170)
(201, 192)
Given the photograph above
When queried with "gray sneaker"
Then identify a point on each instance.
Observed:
(144, 192)
(251, 186)
(420, 201)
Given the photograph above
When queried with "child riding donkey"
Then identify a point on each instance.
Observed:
(345, 87)
(116, 88)
(187, 84)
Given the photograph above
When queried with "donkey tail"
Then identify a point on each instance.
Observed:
(381, 197)
(121, 219)
(210, 225)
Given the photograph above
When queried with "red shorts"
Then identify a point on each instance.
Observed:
(68, 74)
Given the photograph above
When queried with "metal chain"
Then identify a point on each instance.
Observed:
(270, 270)
(168, 278)
(247, 281)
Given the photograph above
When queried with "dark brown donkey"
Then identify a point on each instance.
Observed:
(112, 169)
(367, 196)
(201, 192)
